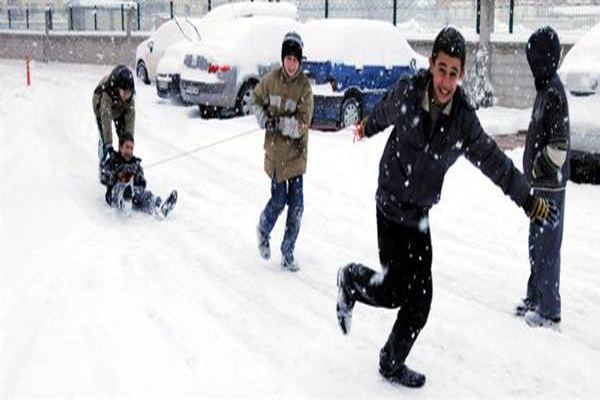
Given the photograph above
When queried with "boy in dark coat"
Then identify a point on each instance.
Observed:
(434, 124)
(113, 101)
(126, 185)
(546, 165)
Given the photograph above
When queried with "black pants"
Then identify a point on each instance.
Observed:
(404, 283)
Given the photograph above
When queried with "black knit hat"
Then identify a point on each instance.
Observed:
(292, 46)
(123, 77)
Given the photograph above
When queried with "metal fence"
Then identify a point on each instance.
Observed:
(419, 15)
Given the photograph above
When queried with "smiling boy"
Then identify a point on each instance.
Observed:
(433, 126)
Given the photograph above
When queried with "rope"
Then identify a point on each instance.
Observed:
(200, 148)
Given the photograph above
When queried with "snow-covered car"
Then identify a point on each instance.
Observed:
(585, 138)
(168, 69)
(222, 70)
(151, 50)
(349, 80)
(580, 74)
(580, 69)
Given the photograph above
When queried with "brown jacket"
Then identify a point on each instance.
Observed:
(108, 106)
(281, 96)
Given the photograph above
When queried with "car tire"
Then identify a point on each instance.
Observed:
(243, 105)
(350, 113)
(142, 73)
(585, 170)
(207, 112)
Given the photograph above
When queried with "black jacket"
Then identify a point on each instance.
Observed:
(412, 167)
(121, 170)
(547, 148)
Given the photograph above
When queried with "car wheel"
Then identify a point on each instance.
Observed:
(350, 114)
(243, 105)
(207, 112)
(142, 73)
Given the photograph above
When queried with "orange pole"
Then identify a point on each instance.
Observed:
(27, 64)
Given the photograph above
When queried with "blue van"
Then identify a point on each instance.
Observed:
(350, 75)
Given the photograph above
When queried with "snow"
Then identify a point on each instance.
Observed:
(243, 43)
(96, 306)
(580, 68)
(249, 9)
(373, 43)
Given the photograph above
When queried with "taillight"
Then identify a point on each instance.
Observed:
(214, 68)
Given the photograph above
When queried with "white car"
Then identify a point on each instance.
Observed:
(580, 74)
(151, 50)
(221, 71)
(167, 71)
(580, 69)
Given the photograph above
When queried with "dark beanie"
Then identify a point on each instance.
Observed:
(292, 46)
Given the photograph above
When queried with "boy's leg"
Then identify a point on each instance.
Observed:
(274, 207)
(144, 200)
(546, 244)
(116, 195)
(294, 217)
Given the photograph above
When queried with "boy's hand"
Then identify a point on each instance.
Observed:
(359, 130)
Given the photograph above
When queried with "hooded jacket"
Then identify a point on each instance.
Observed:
(547, 148)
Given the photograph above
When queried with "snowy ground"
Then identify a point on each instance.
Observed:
(93, 305)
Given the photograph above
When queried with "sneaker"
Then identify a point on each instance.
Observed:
(169, 204)
(289, 264)
(264, 249)
(525, 305)
(535, 320)
(345, 303)
(403, 375)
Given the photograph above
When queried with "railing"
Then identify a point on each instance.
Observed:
(511, 16)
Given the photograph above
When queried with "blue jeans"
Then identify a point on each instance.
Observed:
(544, 257)
(287, 192)
(142, 199)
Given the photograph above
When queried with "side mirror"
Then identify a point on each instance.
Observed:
(151, 46)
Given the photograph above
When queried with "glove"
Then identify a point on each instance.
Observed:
(109, 151)
(289, 127)
(542, 211)
(359, 130)
(272, 124)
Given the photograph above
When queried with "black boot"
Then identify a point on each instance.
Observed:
(402, 375)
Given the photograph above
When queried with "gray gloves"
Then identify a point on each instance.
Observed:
(289, 127)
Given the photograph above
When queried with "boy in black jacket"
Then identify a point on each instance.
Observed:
(433, 126)
(546, 165)
(126, 185)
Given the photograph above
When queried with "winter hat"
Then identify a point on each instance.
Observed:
(543, 54)
(292, 46)
(123, 77)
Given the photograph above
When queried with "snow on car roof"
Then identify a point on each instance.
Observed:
(250, 9)
(356, 42)
(585, 54)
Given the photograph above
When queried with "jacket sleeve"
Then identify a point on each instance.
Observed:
(260, 103)
(483, 152)
(130, 117)
(550, 159)
(304, 112)
(106, 118)
(387, 111)
(139, 179)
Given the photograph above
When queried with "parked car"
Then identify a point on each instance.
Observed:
(580, 73)
(151, 50)
(168, 70)
(349, 80)
(221, 71)
(580, 69)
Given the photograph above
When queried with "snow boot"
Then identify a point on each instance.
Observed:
(345, 303)
(169, 204)
(264, 249)
(402, 375)
(289, 264)
(535, 320)
(525, 305)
